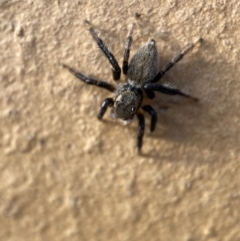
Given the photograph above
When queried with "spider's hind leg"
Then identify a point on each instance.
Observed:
(176, 59)
(116, 71)
(127, 49)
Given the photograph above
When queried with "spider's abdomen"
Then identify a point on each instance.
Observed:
(144, 64)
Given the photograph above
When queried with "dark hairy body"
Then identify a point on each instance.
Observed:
(142, 76)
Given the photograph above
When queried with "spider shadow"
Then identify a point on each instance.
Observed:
(205, 124)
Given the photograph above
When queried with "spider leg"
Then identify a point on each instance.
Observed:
(116, 71)
(127, 49)
(172, 63)
(141, 127)
(150, 94)
(85, 79)
(106, 103)
(166, 90)
(153, 114)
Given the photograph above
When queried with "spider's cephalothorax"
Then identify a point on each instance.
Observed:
(127, 101)
(142, 75)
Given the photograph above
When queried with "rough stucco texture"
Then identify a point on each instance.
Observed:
(66, 176)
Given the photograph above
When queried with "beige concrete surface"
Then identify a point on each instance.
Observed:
(66, 176)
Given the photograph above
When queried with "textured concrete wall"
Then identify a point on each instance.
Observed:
(66, 176)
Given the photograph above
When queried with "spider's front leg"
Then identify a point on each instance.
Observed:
(141, 127)
(106, 103)
(149, 109)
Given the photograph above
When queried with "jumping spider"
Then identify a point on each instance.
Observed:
(142, 75)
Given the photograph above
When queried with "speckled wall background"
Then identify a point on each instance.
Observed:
(66, 176)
